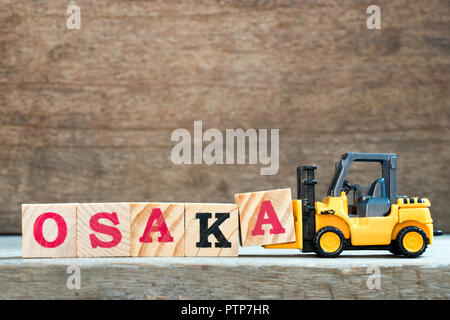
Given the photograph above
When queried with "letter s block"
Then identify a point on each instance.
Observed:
(212, 229)
(266, 217)
(103, 230)
(49, 230)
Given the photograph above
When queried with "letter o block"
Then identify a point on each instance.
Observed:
(49, 230)
(103, 230)
(266, 217)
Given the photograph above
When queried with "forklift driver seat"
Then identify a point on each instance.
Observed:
(375, 203)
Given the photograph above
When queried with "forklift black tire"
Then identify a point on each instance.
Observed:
(411, 242)
(393, 249)
(328, 242)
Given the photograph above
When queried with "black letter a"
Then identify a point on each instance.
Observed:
(214, 229)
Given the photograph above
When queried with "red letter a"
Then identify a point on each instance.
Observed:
(266, 207)
(160, 227)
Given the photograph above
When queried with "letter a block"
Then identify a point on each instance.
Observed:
(211, 229)
(157, 229)
(266, 217)
(49, 230)
(103, 230)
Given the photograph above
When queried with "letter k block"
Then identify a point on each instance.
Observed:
(211, 229)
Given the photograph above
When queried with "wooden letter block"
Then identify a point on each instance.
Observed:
(103, 230)
(266, 217)
(49, 230)
(157, 229)
(211, 229)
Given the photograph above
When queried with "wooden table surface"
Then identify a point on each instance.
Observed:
(256, 274)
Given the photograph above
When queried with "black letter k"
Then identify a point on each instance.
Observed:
(205, 232)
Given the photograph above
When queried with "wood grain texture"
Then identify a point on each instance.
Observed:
(229, 228)
(131, 281)
(68, 247)
(257, 273)
(279, 210)
(85, 114)
(121, 211)
(173, 218)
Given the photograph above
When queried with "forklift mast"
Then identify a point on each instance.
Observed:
(306, 193)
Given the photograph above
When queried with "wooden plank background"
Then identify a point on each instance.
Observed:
(86, 115)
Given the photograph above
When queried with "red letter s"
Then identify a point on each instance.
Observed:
(109, 230)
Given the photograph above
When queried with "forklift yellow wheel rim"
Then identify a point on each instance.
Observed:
(330, 242)
(412, 241)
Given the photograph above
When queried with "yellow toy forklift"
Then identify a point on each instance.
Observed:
(376, 218)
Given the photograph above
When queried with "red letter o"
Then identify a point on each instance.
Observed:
(39, 224)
